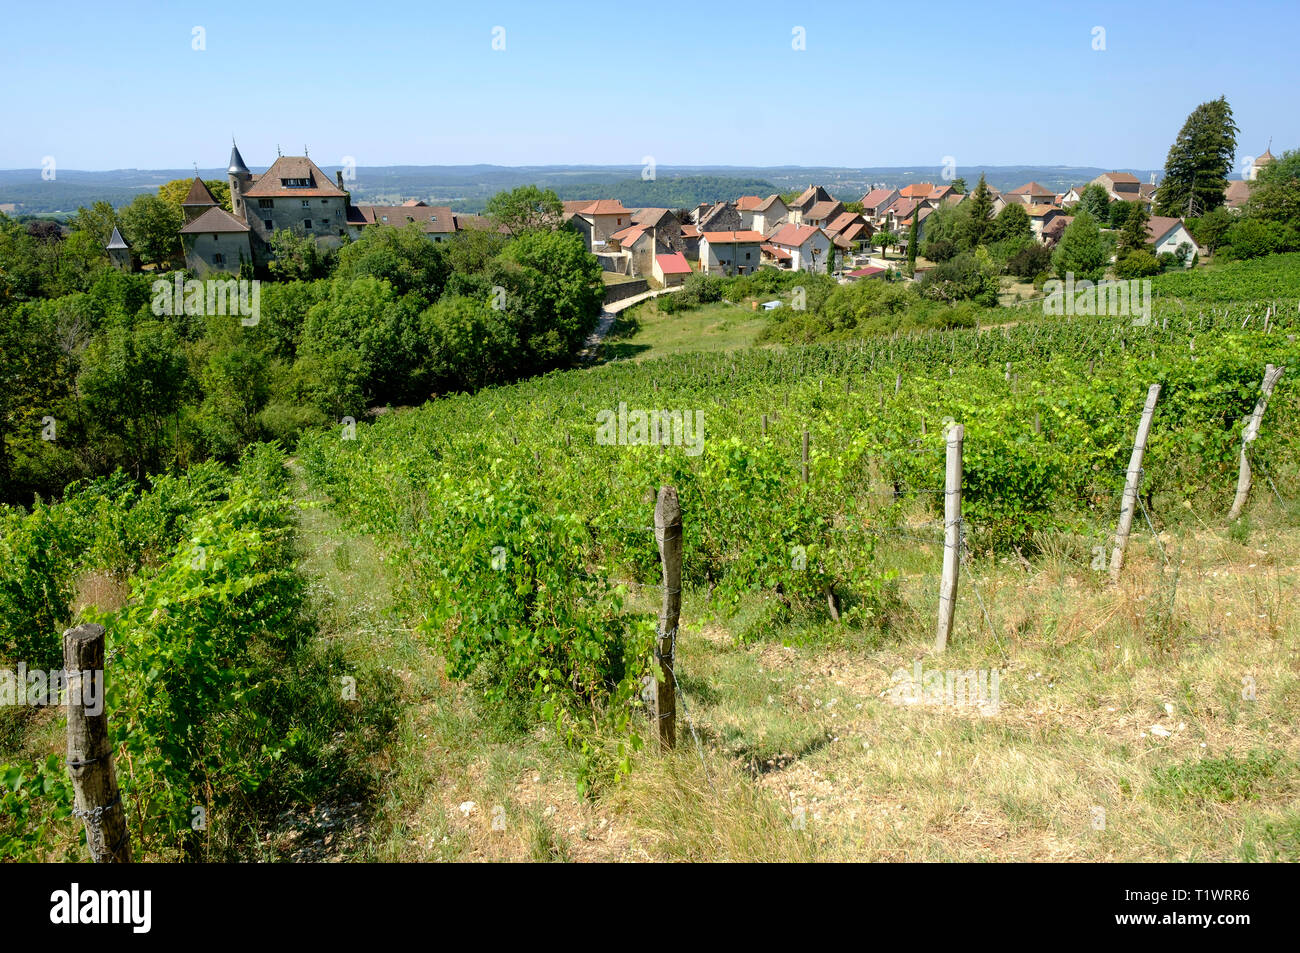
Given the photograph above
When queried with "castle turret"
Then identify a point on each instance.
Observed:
(119, 252)
(198, 200)
(240, 178)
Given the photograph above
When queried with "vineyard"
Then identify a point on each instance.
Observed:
(519, 519)
(481, 576)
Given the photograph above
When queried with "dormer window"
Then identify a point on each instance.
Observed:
(296, 183)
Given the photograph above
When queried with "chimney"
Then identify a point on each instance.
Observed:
(338, 177)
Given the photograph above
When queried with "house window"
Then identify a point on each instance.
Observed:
(266, 203)
(746, 256)
(307, 224)
(324, 201)
(341, 235)
(306, 203)
(218, 259)
(267, 222)
(296, 183)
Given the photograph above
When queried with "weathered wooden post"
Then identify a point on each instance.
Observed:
(90, 758)
(1271, 376)
(951, 536)
(804, 455)
(765, 425)
(668, 534)
(1131, 480)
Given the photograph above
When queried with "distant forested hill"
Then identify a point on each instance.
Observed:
(683, 192)
(467, 188)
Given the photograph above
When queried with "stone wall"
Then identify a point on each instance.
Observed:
(625, 289)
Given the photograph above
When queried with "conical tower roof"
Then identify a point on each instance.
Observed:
(199, 194)
(237, 166)
(117, 241)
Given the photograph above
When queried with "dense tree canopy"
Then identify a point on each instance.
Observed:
(1196, 169)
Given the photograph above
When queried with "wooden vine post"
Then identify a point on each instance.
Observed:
(1271, 376)
(1132, 478)
(804, 456)
(951, 536)
(90, 757)
(668, 534)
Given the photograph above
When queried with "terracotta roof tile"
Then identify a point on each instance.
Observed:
(270, 184)
(731, 238)
(794, 236)
(435, 219)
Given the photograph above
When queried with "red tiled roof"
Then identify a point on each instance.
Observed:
(270, 184)
(903, 206)
(731, 238)
(748, 203)
(855, 231)
(673, 263)
(605, 207)
(768, 202)
(214, 220)
(873, 198)
(435, 219)
(690, 231)
(793, 236)
(1032, 188)
(866, 272)
(1121, 178)
(631, 235)
(918, 190)
(922, 215)
(841, 221)
(779, 253)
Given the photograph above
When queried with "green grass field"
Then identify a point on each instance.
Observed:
(643, 332)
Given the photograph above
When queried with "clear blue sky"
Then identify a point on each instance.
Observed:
(107, 86)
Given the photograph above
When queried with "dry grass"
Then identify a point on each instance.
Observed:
(804, 755)
(1087, 672)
